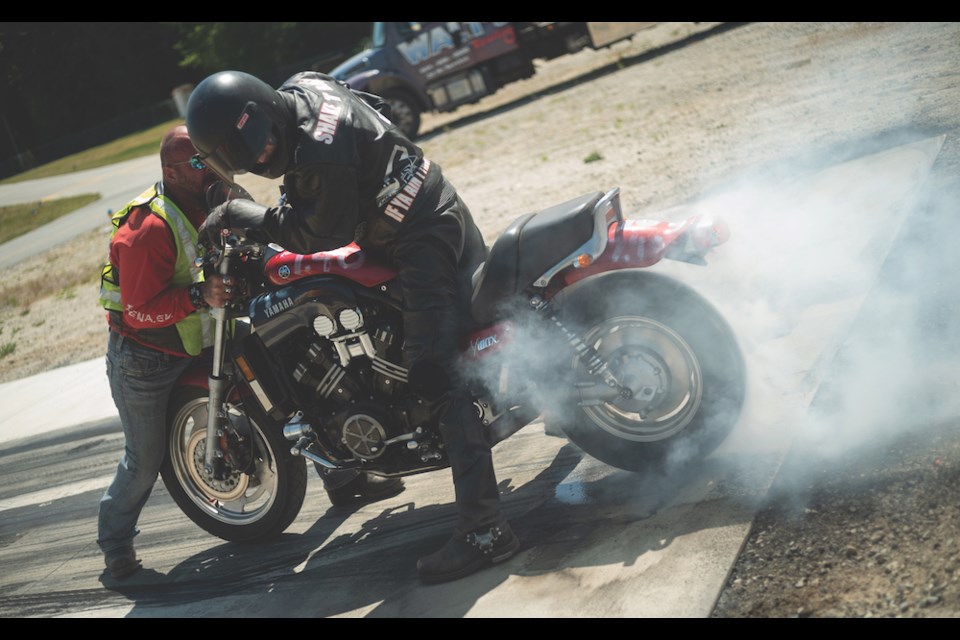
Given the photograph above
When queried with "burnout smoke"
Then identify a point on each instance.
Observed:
(831, 262)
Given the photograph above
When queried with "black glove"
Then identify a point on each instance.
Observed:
(238, 215)
(208, 234)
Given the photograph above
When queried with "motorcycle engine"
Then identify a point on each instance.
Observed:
(349, 385)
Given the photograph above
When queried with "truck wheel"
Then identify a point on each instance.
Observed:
(405, 112)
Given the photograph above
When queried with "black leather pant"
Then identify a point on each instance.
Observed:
(435, 262)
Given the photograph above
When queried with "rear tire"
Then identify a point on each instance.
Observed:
(239, 507)
(676, 353)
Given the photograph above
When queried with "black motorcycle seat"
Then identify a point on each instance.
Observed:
(530, 245)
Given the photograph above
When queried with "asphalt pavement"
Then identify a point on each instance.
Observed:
(117, 184)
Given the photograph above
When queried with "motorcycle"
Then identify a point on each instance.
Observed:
(567, 322)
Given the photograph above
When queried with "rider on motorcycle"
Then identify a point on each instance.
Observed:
(350, 175)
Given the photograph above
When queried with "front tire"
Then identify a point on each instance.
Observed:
(236, 506)
(678, 356)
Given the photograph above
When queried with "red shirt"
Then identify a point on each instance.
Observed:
(145, 254)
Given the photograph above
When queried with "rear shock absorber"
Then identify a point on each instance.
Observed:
(595, 365)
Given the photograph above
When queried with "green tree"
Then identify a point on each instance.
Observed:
(61, 80)
(58, 78)
(270, 50)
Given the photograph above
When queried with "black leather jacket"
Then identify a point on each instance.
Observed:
(352, 175)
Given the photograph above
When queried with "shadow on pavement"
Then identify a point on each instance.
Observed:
(371, 571)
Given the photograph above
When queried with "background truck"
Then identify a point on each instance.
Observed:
(437, 66)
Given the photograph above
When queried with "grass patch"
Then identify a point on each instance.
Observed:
(23, 294)
(136, 145)
(593, 157)
(64, 275)
(18, 219)
(7, 348)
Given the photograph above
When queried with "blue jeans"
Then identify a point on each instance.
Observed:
(141, 380)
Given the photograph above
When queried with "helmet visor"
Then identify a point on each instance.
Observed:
(241, 148)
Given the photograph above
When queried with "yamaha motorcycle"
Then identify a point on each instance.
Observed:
(568, 324)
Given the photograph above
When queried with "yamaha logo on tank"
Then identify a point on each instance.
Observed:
(276, 307)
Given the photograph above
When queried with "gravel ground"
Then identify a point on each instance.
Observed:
(875, 536)
(678, 112)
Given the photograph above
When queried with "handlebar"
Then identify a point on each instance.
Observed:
(232, 244)
(228, 259)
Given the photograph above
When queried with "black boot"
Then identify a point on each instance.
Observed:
(122, 563)
(365, 488)
(468, 552)
(482, 536)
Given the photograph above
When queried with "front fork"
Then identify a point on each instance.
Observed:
(218, 383)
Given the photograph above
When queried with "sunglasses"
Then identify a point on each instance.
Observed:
(195, 162)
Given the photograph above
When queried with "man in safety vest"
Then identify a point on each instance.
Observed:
(156, 301)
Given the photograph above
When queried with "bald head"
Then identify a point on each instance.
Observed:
(176, 146)
(186, 185)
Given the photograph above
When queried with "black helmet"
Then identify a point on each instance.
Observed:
(231, 116)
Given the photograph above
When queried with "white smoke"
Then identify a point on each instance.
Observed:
(831, 302)
(897, 371)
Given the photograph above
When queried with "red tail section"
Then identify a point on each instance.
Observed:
(643, 243)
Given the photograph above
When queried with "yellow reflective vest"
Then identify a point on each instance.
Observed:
(195, 330)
